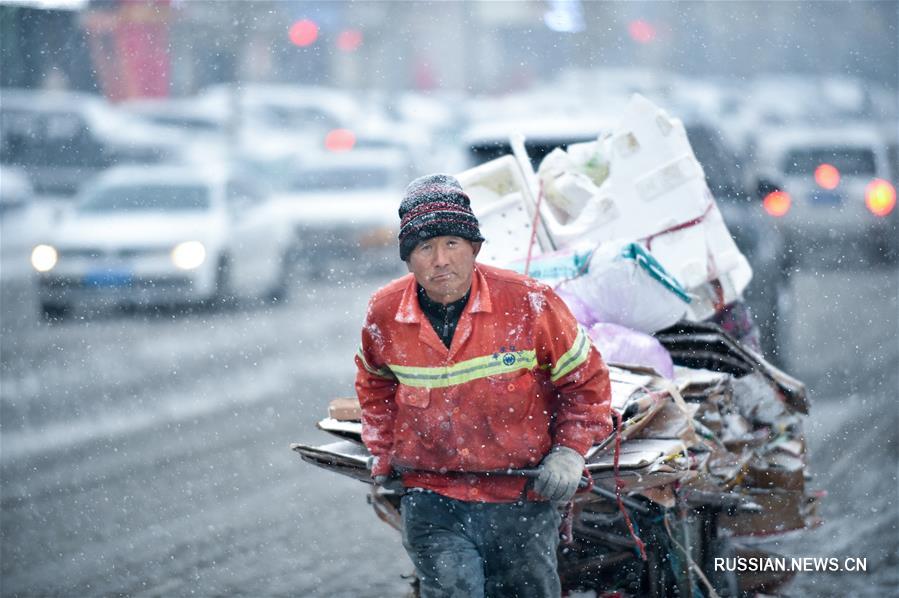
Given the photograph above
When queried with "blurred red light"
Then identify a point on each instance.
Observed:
(349, 40)
(880, 197)
(777, 203)
(303, 33)
(340, 140)
(827, 176)
(641, 31)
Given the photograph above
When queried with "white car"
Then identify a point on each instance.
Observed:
(161, 235)
(343, 207)
(836, 185)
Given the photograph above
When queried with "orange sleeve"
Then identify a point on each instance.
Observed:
(583, 409)
(376, 389)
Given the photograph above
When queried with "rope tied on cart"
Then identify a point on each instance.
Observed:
(677, 227)
(619, 483)
(534, 223)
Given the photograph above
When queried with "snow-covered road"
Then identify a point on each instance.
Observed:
(147, 453)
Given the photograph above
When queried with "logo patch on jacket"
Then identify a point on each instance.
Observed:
(509, 357)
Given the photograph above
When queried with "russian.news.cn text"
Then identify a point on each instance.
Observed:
(793, 564)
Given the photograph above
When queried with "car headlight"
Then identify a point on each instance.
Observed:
(188, 255)
(44, 257)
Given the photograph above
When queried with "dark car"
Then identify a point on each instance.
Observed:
(488, 141)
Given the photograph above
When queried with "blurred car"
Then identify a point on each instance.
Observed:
(15, 190)
(280, 118)
(184, 118)
(342, 207)
(837, 184)
(775, 102)
(280, 107)
(490, 140)
(161, 235)
(16, 222)
(61, 139)
(207, 134)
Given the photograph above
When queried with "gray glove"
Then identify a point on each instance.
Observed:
(389, 483)
(560, 474)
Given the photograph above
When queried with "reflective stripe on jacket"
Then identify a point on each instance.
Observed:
(520, 377)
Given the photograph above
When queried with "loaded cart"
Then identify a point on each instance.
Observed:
(707, 456)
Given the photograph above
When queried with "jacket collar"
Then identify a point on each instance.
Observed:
(409, 311)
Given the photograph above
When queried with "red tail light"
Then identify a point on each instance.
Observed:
(827, 176)
(349, 40)
(303, 33)
(777, 203)
(340, 140)
(880, 197)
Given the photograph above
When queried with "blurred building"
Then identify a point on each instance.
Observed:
(147, 47)
(42, 45)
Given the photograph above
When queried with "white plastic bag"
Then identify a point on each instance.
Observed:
(627, 286)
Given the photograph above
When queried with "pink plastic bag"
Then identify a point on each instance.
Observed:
(618, 344)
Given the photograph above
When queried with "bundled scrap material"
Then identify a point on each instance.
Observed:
(639, 182)
(708, 454)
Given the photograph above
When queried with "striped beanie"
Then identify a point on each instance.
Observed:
(434, 206)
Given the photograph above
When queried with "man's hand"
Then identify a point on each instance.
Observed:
(560, 474)
(389, 483)
(382, 475)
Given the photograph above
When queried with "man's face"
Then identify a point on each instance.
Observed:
(443, 266)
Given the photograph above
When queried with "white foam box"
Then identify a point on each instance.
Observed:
(656, 184)
(499, 198)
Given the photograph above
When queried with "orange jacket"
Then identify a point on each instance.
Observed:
(519, 377)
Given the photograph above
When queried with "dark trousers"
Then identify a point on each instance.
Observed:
(480, 550)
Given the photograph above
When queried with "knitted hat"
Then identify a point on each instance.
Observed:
(435, 206)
